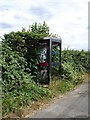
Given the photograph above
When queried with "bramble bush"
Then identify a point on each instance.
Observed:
(19, 68)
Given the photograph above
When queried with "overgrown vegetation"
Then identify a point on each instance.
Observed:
(19, 68)
(74, 66)
(74, 61)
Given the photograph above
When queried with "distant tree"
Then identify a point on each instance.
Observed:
(40, 28)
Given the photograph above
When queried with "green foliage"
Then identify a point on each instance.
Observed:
(24, 43)
(13, 74)
(79, 59)
(19, 67)
(73, 62)
(64, 86)
(30, 91)
(40, 28)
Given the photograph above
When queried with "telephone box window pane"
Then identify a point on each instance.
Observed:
(43, 63)
(55, 59)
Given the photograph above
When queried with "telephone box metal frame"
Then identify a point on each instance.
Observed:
(50, 42)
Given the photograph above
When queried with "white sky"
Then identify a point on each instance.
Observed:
(67, 18)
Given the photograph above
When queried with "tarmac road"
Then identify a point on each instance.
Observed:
(72, 105)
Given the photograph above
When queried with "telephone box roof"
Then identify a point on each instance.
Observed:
(57, 40)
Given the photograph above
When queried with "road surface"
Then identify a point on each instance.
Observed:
(73, 105)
